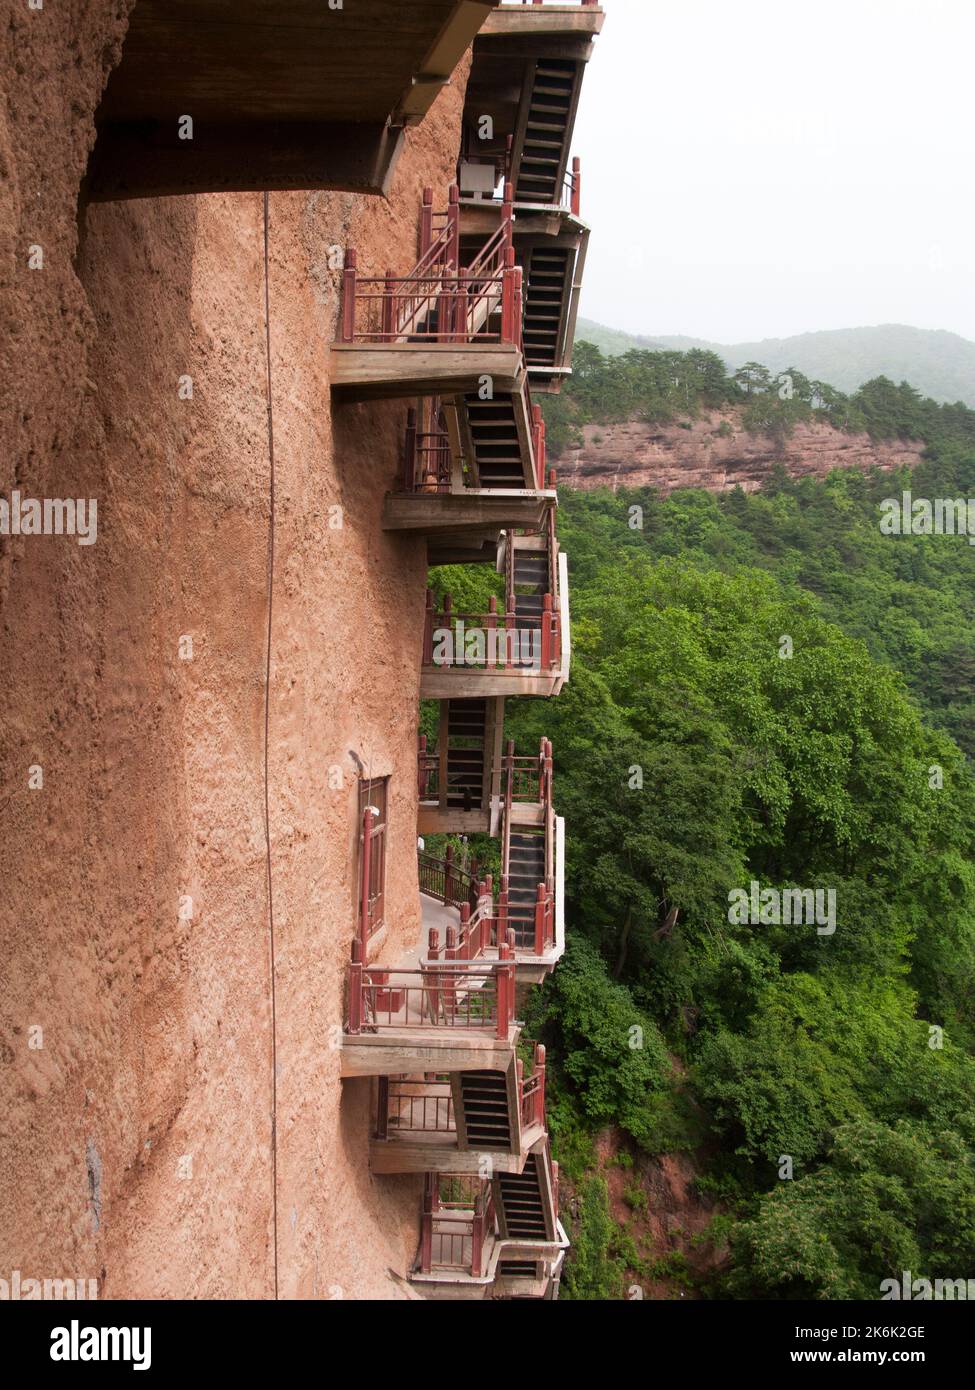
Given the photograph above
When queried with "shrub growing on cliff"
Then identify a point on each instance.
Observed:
(609, 1051)
(592, 1271)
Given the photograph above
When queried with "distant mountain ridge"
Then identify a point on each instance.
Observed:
(937, 363)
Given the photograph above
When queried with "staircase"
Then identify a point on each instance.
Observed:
(486, 1110)
(548, 130)
(531, 584)
(524, 1201)
(526, 870)
(497, 446)
(466, 736)
(547, 292)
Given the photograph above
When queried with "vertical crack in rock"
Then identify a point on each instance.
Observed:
(94, 1165)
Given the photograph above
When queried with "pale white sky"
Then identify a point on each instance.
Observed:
(769, 167)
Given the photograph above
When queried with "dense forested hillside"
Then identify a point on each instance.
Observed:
(766, 689)
(939, 364)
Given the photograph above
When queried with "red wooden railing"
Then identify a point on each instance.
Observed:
(529, 928)
(457, 995)
(458, 1216)
(439, 301)
(427, 1107)
(491, 641)
(411, 1107)
(471, 936)
(550, 633)
(532, 1091)
(427, 772)
(448, 882)
(426, 455)
(538, 444)
(494, 252)
(439, 234)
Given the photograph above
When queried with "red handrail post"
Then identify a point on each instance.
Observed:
(505, 986)
(389, 301)
(541, 906)
(448, 885)
(409, 460)
(428, 630)
(511, 639)
(426, 1236)
(576, 186)
(540, 1093)
(477, 1244)
(355, 990)
(462, 328)
(382, 1108)
(547, 632)
(509, 323)
(453, 222)
(538, 445)
(431, 977)
(348, 295)
(519, 311)
(426, 222)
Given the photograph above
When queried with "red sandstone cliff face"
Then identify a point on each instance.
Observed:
(716, 453)
(137, 1142)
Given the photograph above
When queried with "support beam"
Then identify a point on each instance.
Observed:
(148, 160)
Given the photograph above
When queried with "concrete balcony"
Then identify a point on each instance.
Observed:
(525, 650)
(445, 1017)
(472, 469)
(453, 1124)
(440, 330)
(492, 1239)
(280, 96)
(584, 17)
